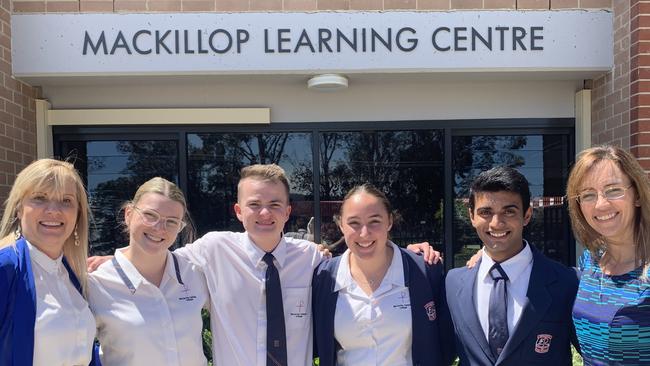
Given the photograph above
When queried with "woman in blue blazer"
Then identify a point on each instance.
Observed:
(44, 317)
(378, 304)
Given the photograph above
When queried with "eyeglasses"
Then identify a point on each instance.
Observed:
(152, 218)
(610, 193)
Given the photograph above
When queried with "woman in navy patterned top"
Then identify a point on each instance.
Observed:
(610, 213)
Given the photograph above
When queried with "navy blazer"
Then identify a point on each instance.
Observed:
(18, 305)
(544, 331)
(432, 343)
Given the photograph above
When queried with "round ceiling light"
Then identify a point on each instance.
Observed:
(328, 82)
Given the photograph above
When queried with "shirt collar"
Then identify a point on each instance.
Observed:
(134, 275)
(255, 254)
(343, 276)
(394, 276)
(513, 266)
(51, 266)
(128, 268)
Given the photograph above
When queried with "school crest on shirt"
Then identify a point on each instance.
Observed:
(299, 309)
(430, 308)
(403, 301)
(185, 294)
(543, 343)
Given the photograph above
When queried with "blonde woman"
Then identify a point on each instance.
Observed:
(610, 213)
(44, 318)
(147, 301)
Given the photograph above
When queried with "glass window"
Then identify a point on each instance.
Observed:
(213, 164)
(406, 165)
(113, 171)
(543, 160)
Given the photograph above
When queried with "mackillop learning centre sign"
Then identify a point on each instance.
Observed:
(237, 43)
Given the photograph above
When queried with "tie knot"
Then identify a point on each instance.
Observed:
(268, 259)
(497, 273)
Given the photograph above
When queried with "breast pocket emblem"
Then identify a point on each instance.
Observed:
(543, 343)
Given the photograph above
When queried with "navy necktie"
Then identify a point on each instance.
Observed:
(498, 310)
(276, 335)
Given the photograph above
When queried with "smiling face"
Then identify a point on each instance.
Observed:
(263, 208)
(614, 219)
(365, 224)
(152, 239)
(499, 220)
(48, 218)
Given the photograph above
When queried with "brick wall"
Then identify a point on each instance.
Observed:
(611, 92)
(621, 98)
(40, 6)
(640, 82)
(17, 112)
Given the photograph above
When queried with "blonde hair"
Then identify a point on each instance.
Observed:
(50, 175)
(264, 172)
(170, 190)
(595, 242)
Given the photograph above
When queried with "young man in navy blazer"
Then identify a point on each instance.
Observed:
(514, 306)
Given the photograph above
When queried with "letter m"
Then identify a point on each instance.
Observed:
(101, 42)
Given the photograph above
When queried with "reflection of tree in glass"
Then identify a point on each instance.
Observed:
(213, 171)
(474, 154)
(407, 165)
(144, 160)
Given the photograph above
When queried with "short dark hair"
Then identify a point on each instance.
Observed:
(501, 178)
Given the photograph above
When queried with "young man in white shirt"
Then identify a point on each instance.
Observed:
(235, 273)
(514, 306)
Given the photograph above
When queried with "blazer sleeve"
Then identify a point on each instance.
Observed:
(445, 326)
(8, 273)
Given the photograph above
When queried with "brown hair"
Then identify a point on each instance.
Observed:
(373, 191)
(170, 190)
(264, 172)
(585, 234)
(50, 175)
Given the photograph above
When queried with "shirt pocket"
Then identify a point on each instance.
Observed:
(297, 307)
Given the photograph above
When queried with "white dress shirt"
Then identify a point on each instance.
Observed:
(65, 327)
(373, 330)
(147, 324)
(518, 270)
(235, 272)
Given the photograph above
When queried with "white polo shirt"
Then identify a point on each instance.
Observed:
(235, 272)
(65, 328)
(518, 270)
(373, 330)
(142, 324)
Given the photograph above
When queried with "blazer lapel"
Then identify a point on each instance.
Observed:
(467, 305)
(25, 307)
(538, 300)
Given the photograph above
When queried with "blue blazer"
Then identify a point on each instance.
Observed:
(18, 305)
(432, 343)
(545, 330)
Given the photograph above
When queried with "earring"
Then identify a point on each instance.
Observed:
(17, 233)
(76, 238)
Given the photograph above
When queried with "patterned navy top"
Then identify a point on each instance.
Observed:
(612, 316)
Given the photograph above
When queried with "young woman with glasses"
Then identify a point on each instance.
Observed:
(609, 207)
(146, 300)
